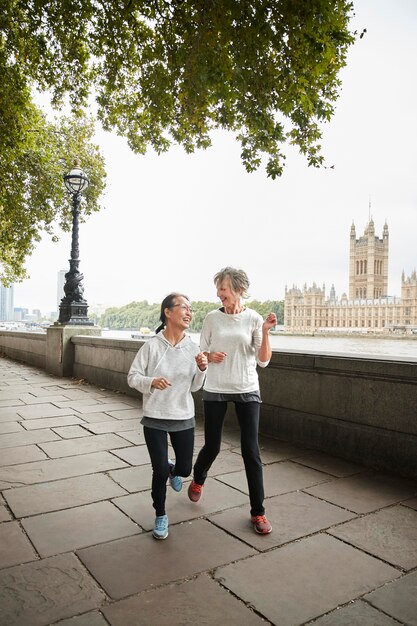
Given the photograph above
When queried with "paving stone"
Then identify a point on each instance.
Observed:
(412, 503)
(115, 426)
(13, 440)
(15, 547)
(62, 531)
(55, 469)
(42, 410)
(21, 454)
(4, 514)
(179, 508)
(9, 394)
(305, 579)
(273, 450)
(357, 614)
(44, 392)
(86, 445)
(133, 478)
(51, 422)
(199, 442)
(278, 478)
(366, 492)
(30, 399)
(231, 437)
(135, 455)
(10, 403)
(94, 618)
(9, 414)
(42, 592)
(390, 534)
(77, 394)
(120, 570)
(104, 408)
(135, 437)
(16, 388)
(91, 418)
(125, 414)
(10, 427)
(226, 462)
(198, 601)
(292, 516)
(75, 404)
(398, 599)
(61, 494)
(330, 464)
(71, 432)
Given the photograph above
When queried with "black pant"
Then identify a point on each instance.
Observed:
(248, 417)
(157, 442)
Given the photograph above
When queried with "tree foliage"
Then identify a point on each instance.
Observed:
(172, 70)
(142, 314)
(33, 159)
(161, 71)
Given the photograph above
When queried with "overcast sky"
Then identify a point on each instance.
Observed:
(172, 221)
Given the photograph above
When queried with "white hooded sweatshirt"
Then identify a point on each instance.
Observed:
(158, 358)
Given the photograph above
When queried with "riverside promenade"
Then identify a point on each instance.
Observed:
(75, 525)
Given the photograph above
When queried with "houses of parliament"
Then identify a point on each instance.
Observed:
(368, 307)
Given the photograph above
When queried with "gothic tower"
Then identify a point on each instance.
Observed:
(368, 263)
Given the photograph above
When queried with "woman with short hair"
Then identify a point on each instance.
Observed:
(235, 340)
(167, 368)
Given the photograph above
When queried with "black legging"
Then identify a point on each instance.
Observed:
(157, 442)
(248, 417)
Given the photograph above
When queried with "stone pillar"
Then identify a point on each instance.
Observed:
(60, 349)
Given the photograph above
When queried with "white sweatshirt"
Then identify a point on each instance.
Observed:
(240, 336)
(158, 358)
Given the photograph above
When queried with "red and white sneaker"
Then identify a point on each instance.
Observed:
(194, 491)
(261, 524)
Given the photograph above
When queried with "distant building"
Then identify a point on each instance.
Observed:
(368, 308)
(19, 314)
(60, 293)
(6, 303)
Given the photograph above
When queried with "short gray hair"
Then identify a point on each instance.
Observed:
(239, 280)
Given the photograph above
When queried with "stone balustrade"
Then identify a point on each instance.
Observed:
(360, 408)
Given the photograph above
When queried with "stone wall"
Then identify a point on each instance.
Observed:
(362, 409)
(26, 347)
(105, 362)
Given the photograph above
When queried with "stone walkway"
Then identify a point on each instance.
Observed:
(76, 515)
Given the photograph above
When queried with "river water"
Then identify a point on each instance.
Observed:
(402, 348)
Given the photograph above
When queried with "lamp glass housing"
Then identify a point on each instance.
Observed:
(76, 181)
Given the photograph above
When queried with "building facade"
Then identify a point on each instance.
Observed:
(6, 303)
(368, 307)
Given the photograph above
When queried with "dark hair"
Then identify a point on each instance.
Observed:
(167, 303)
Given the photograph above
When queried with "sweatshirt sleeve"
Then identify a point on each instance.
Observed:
(205, 336)
(198, 379)
(137, 377)
(257, 339)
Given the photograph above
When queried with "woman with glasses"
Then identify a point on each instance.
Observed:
(235, 340)
(166, 369)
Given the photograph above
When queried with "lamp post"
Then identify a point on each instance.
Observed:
(73, 308)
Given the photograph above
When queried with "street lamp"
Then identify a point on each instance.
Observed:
(73, 307)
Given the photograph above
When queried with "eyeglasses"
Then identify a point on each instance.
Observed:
(184, 307)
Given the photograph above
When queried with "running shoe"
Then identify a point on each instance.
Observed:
(194, 491)
(261, 524)
(174, 481)
(160, 530)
